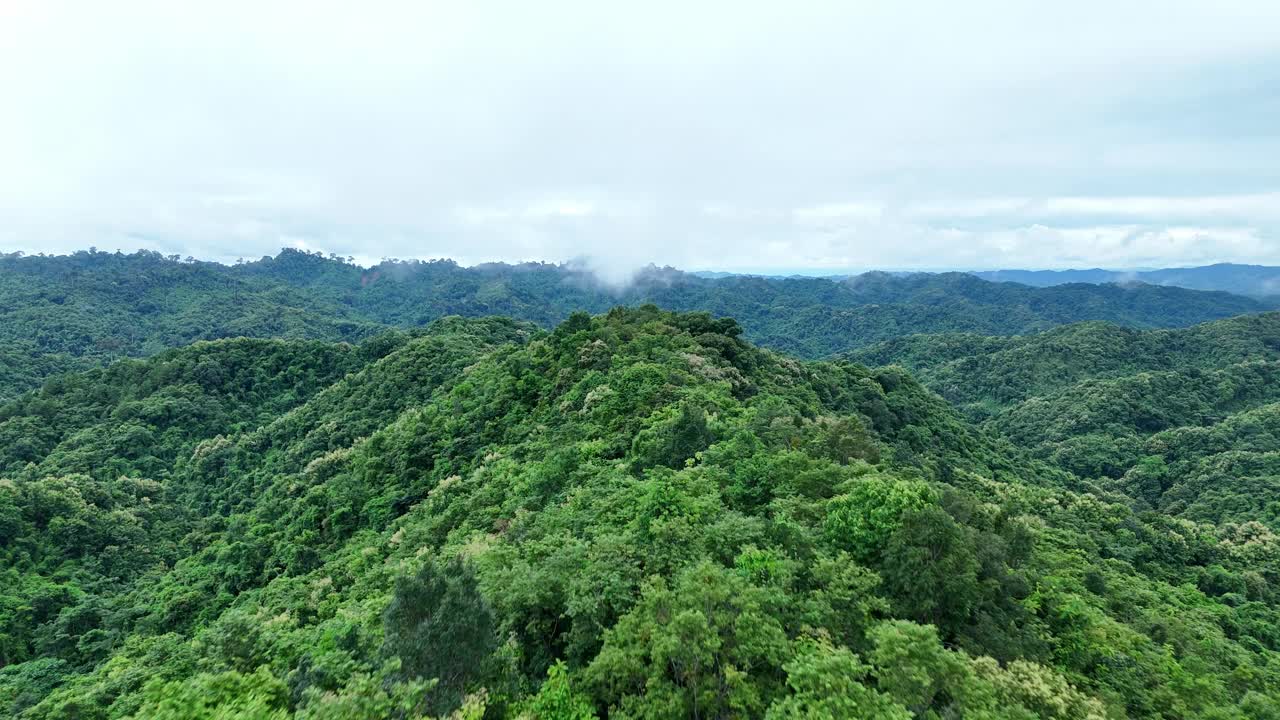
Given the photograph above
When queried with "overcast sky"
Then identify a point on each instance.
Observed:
(738, 135)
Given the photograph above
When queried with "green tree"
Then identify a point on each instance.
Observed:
(707, 646)
(216, 696)
(862, 519)
(440, 628)
(558, 699)
(931, 568)
(830, 683)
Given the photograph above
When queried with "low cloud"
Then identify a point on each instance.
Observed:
(614, 241)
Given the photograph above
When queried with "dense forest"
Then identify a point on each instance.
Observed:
(77, 312)
(641, 514)
(1184, 420)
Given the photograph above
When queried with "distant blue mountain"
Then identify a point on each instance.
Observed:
(1251, 280)
(1254, 280)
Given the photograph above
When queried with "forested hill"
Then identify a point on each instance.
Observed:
(983, 373)
(634, 515)
(1186, 421)
(81, 311)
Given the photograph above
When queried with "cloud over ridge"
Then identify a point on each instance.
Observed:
(832, 135)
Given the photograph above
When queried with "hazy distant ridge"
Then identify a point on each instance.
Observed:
(1255, 280)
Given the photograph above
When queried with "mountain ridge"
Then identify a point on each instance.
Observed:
(1251, 280)
(75, 312)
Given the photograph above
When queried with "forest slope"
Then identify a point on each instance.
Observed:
(984, 373)
(1179, 420)
(637, 514)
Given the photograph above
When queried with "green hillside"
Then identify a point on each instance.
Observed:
(984, 373)
(634, 515)
(1178, 420)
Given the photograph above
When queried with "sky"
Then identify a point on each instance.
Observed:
(741, 136)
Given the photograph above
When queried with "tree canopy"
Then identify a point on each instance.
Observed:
(637, 514)
(81, 311)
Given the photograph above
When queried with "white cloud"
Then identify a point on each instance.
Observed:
(836, 212)
(823, 134)
(1256, 207)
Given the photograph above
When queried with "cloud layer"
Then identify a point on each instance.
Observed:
(704, 135)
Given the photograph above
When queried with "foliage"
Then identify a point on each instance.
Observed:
(439, 627)
(80, 311)
(636, 514)
(1179, 421)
